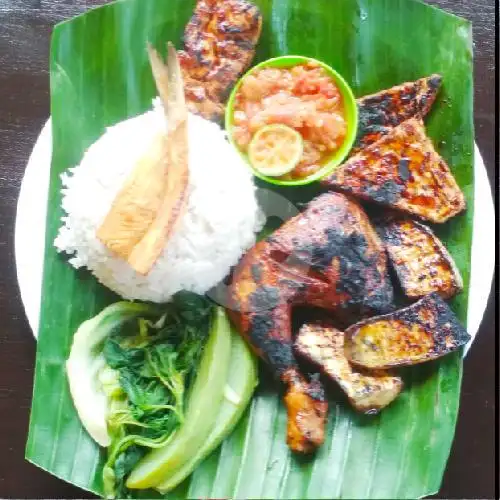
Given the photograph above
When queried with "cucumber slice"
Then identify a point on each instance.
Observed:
(240, 384)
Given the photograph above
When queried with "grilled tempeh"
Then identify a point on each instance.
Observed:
(421, 332)
(403, 171)
(368, 392)
(421, 262)
(219, 43)
(379, 113)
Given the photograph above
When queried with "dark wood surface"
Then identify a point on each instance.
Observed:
(25, 27)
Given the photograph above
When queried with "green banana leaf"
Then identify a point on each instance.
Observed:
(100, 75)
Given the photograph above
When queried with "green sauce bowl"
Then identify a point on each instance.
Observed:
(350, 110)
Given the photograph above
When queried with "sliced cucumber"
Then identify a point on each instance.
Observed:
(240, 384)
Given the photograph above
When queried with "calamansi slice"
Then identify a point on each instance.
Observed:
(275, 150)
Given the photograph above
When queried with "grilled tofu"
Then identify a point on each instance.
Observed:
(421, 332)
(219, 45)
(379, 113)
(403, 171)
(368, 392)
(421, 262)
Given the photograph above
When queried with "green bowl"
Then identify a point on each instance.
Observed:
(351, 113)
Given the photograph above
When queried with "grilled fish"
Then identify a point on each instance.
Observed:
(421, 262)
(379, 113)
(368, 392)
(219, 45)
(402, 170)
(421, 332)
(329, 257)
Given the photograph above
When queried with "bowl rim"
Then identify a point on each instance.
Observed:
(349, 103)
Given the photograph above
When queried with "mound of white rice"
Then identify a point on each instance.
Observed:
(219, 225)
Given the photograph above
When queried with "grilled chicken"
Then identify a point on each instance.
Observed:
(219, 45)
(403, 171)
(368, 392)
(329, 257)
(380, 113)
(307, 410)
(421, 262)
(421, 332)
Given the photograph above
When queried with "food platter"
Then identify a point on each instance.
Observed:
(30, 235)
(166, 274)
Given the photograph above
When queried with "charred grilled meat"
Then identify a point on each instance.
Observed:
(307, 410)
(368, 392)
(219, 43)
(380, 113)
(403, 171)
(422, 332)
(329, 257)
(421, 262)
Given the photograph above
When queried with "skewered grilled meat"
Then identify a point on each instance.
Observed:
(219, 43)
(421, 332)
(402, 170)
(421, 262)
(379, 113)
(368, 392)
(330, 257)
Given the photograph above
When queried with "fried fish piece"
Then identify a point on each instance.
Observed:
(219, 45)
(147, 210)
(422, 263)
(379, 113)
(402, 170)
(368, 392)
(421, 332)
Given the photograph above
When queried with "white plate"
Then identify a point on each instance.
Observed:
(32, 209)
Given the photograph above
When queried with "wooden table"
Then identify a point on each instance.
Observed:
(25, 27)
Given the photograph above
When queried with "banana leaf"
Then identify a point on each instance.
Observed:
(99, 75)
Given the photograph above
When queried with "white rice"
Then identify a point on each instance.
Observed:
(219, 225)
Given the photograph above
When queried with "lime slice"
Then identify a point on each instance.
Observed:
(275, 150)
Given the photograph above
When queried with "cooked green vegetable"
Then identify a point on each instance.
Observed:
(86, 362)
(242, 378)
(204, 405)
(130, 369)
(153, 365)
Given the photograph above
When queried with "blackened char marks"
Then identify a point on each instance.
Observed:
(436, 317)
(315, 389)
(277, 352)
(264, 298)
(381, 298)
(380, 112)
(448, 322)
(387, 193)
(337, 243)
(359, 277)
(256, 271)
(404, 171)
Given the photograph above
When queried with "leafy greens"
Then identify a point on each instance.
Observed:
(149, 367)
